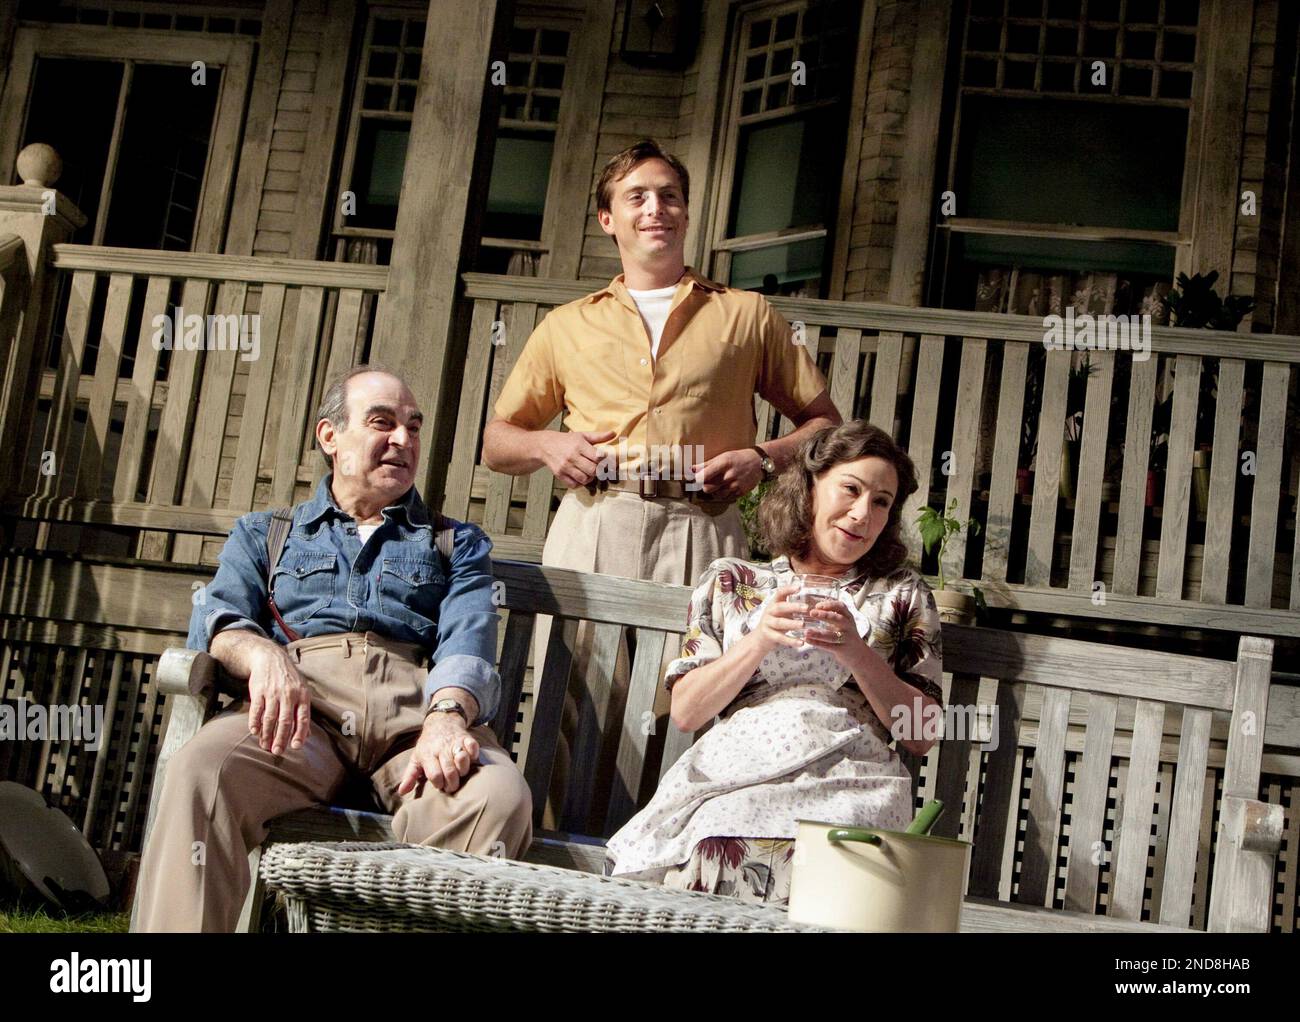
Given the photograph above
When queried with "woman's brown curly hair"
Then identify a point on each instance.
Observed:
(785, 512)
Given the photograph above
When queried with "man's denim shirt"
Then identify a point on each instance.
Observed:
(397, 585)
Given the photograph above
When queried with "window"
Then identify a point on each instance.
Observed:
(792, 74)
(1068, 152)
(525, 146)
(375, 156)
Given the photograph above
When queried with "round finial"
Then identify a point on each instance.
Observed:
(39, 165)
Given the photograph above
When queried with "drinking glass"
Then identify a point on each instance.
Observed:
(813, 589)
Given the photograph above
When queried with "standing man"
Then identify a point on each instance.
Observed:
(660, 368)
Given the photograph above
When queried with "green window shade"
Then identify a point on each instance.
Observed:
(521, 171)
(788, 173)
(377, 176)
(798, 261)
(1071, 162)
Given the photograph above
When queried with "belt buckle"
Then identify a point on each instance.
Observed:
(642, 479)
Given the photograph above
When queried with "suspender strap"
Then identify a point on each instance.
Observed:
(445, 538)
(276, 537)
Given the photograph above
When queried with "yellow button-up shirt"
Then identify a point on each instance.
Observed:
(591, 358)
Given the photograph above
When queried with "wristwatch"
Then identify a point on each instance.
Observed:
(448, 706)
(768, 465)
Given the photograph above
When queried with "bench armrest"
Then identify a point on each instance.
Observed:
(1241, 892)
(191, 672)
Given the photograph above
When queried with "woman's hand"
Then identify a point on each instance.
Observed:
(831, 627)
(780, 617)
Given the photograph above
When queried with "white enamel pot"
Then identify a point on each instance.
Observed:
(865, 878)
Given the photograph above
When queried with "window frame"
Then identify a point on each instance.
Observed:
(566, 130)
(945, 229)
(721, 247)
(233, 54)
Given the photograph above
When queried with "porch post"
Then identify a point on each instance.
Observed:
(419, 329)
(41, 217)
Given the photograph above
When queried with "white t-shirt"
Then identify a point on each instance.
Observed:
(366, 532)
(653, 306)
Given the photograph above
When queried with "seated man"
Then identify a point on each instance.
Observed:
(337, 662)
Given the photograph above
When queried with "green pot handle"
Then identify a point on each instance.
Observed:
(852, 834)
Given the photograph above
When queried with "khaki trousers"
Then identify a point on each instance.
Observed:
(221, 790)
(623, 534)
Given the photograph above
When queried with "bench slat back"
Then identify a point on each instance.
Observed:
(1147, 695)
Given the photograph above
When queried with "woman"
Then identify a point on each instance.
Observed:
(805, 725)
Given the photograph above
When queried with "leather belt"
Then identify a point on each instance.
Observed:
(648, 489)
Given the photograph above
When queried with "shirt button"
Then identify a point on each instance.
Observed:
(659, 411)
(645, 361)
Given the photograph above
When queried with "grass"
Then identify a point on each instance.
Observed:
(23, 919)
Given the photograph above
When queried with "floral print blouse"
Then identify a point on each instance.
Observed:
(896, 612)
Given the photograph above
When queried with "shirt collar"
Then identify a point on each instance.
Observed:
(617, 288)
(410, 507)
(781, 566)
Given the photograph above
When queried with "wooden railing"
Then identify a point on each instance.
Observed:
(134, 427)
(960, 390)
(1093, 532)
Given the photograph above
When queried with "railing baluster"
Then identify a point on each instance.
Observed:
(1176, 506)
(104, 387)
(1047, 469)
(496, 507)
(1223, 481)
(1133, 483)
(965, 443)
(139, 406)
(58, 431)
(293, 420)
(1092, 465)
(884, 380)
(1006, 457)
(1266, 498)
(465, 451)
(920, 443)
(252, 428)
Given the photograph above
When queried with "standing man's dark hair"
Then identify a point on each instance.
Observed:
(621, 164)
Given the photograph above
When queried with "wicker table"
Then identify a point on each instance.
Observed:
(376, 888)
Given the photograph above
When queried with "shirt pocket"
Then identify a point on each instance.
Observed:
(411, 589)
(713, 370)
(304, 584)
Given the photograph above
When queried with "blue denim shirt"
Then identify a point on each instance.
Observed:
(397, 584)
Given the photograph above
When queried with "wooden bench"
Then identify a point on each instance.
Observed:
(1122, 715)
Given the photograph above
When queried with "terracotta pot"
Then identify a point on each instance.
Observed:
(955, 608)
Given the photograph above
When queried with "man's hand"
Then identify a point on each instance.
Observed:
(279, 711)
(572, 457)
(731, 474)
(445, 753)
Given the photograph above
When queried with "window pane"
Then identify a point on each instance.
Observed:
(1070, 162)
(775, 269)
(1070, 256)
(787, 173)
(521, 169)
(377, 177)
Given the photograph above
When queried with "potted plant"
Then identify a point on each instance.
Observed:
(1195, 304)
(937, 528)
